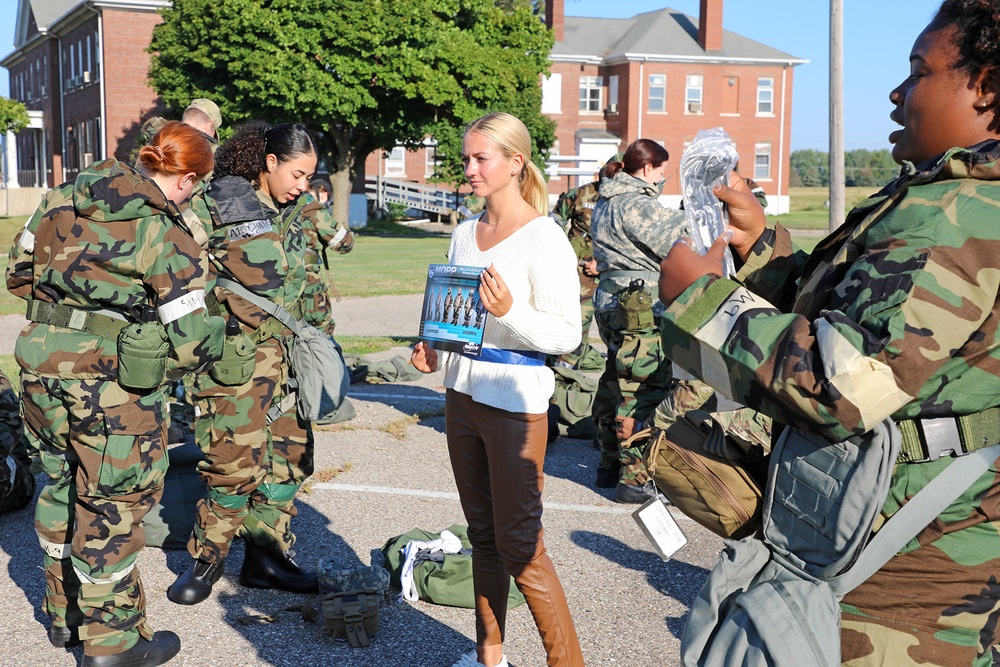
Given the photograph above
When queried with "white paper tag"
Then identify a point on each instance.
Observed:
(660, 527)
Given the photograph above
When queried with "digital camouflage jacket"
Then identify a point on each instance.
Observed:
(262, 248)
(630, 230)
(110, 240)
(894, 314)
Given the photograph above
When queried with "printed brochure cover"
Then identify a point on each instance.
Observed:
(453, 318)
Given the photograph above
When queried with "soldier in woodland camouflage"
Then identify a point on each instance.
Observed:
(321, 232)
(257, 451)
(575, 209)
(631, 233)
(101, 252)
(893, 315)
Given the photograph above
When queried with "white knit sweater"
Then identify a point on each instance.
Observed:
(539, 267)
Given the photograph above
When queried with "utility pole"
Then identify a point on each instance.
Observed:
(836, 113)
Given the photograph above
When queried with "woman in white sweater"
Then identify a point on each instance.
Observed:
(496, 404)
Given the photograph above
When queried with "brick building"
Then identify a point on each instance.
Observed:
(660, 75)
(80, 67)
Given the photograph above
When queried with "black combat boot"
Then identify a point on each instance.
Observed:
(195, 583)
(269, 567)
(159, 650)
(62, 637)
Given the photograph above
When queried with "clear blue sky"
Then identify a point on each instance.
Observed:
(878, 35)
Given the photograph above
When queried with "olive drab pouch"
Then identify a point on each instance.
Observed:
(351, 616)
(635, 306)
(143, 351)
(239, 355)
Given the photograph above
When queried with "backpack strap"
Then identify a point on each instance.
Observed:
(916, 514)
(265, 304)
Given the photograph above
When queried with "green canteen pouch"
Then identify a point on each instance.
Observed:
(636, 306)
(239, 356)
(143, 350)
(351, 616)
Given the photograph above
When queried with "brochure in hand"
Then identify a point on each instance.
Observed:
(453, 318)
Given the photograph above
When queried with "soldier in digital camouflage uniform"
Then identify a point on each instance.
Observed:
(257, 451)
(17, 483)
(89, 261)
(574, 210)
(631, 232)
(893, 315)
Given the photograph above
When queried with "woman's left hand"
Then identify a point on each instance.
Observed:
(494, 293)
(683, 265)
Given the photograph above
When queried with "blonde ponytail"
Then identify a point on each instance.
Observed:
(533, 188)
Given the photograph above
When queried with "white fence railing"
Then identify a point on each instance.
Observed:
(428, 198)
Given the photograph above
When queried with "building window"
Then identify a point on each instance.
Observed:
(657, 92)
(430, 160)
(765, 96)
(613, 93)
(762, 162)
(692, 93)
(552, 93)
(590, 93)
(395, 162)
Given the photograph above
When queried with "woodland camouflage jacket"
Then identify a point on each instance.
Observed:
(110, 240)
(263, 249)
(894, 314)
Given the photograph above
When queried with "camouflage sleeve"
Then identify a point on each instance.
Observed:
(773, 267)
(20, 262)
(176, 272)
(563, 210)
(908, 315)
(332, 234)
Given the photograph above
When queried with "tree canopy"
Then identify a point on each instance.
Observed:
(365, 74)
(13, 115)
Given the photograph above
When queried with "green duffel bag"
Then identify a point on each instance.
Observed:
(574, 395)
(446, 582)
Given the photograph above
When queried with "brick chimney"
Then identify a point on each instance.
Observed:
(555, 18)
(709, 25)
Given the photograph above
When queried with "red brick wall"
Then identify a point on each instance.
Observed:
(129, 99)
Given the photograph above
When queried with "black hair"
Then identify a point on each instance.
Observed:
(245, 153)
(977, 32)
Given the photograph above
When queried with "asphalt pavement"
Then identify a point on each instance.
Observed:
(378, 476)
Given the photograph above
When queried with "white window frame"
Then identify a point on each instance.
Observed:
(395, 162)
(762, 162)
(694, 94)
(661, 97)
(588, 102)
(430, 159)
(765, 96)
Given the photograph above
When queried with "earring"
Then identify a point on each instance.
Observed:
(987, 101)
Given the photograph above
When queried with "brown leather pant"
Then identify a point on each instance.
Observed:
(497, 457)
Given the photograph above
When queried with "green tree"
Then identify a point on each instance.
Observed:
(810, 168)
(13, 115)
(365, 74)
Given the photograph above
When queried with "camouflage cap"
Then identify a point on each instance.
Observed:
(210, 109)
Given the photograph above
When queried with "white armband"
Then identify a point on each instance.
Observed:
(335, 241)
(181, 306)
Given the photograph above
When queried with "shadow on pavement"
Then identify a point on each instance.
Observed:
(673, 578)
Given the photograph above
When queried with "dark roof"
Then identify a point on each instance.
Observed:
(664, 33)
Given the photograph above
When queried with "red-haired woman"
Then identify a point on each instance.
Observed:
(116, 300)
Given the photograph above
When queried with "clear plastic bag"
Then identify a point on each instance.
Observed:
(706, 162)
